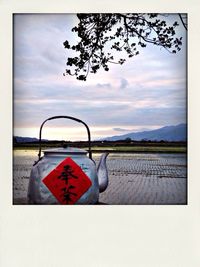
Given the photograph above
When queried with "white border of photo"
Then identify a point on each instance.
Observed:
(132, 235)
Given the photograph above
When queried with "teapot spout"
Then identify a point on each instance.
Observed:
(102, 173)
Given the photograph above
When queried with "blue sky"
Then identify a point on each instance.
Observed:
(147, 92)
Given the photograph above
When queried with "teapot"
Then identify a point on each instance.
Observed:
(66, 175)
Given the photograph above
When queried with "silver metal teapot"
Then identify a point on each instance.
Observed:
(39, 193)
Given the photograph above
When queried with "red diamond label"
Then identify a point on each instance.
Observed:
(67, 182)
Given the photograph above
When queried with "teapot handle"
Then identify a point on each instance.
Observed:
(65, 117)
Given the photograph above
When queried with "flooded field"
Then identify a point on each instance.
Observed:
(135, 178)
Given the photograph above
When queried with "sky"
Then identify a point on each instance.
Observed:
(146, 92)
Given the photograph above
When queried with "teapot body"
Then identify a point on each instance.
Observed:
(38, 193)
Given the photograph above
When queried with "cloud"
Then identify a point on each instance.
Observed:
(148, 90)
(121, 130)
(103, 85)
(123, 84)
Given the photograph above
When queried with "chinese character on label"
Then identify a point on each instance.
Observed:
(67, 182)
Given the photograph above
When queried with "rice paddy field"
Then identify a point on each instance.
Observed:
(134, 178)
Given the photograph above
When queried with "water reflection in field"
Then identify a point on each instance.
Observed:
(134, 178)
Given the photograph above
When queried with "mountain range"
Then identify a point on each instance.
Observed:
(167, 133)
(20, 139)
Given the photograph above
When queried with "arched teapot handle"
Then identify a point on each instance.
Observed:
(64, 117)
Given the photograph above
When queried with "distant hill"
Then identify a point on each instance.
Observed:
(167, 133)
(20, 139)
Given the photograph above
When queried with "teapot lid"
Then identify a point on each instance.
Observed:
(68, 150)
